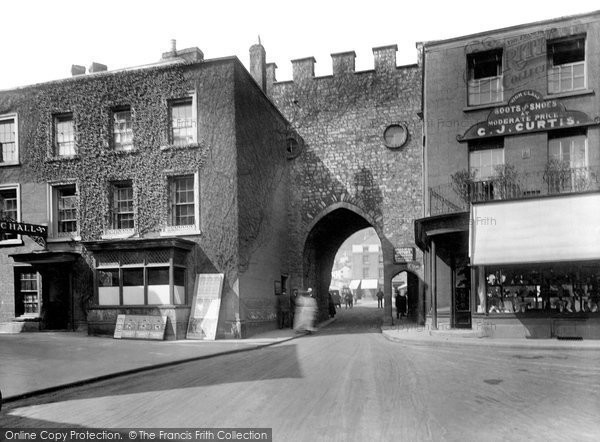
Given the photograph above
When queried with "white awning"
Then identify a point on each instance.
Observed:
(537, 230)
(368, 284)
(354, 284)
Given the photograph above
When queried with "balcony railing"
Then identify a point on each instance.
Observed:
(457, 196)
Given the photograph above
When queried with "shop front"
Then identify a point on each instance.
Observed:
(147, 277)
(44, 290)
(536, 269)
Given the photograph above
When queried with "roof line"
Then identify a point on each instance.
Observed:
(509, 28)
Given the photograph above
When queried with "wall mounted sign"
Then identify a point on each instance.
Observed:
(403, 255)
(23, 228)
(526, 112)
(140, 327)
(205, 306)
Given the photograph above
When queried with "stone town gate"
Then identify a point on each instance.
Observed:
(346, 174)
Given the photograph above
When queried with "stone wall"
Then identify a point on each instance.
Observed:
(344, 161)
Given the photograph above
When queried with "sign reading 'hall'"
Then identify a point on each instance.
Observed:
(527, 111)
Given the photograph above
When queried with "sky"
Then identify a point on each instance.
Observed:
(42, 39)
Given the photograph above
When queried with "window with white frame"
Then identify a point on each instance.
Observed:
(183, 201)
(9, 209)
(122, 213)
(9, 147)
(122, 129)
(64, 136)
(183, 205)
(182, 115)
(566, 65)
(27, 293)
(570, 148)
(143, 285)
(485, 77)
(485, 158)
(63, 200)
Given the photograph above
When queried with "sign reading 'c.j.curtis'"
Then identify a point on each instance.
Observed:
(23, 228)
(527, 111)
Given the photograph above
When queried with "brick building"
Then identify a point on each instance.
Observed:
(145, 177)
(512, 167)
(148, 176)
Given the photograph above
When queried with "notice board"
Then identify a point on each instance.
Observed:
(205, 306)
(140, 327)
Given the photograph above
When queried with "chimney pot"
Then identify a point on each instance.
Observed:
(258, 66)
(97, 67)
(77, 70)
(173, 45)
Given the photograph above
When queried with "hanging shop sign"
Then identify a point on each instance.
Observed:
(23, 228)
(526, 112)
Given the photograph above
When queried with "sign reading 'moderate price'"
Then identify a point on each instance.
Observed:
(526, 112)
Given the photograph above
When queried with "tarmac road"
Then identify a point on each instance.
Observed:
(345, 383)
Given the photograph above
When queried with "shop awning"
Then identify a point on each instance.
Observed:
(45, 257)
(354, 284)
(563, 228)
(368, 284)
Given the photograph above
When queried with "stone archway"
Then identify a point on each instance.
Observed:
(325, 236)
(412, 288)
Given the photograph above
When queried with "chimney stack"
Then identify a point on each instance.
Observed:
(303, 68)
(258, 65)
(271, 69)
(385, 57)
(173, 45)
(343, 62)
(97, 67)
(77, 70)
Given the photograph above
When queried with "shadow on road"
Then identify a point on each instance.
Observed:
(263, 364)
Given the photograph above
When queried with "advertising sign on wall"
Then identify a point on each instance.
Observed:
(526, 112)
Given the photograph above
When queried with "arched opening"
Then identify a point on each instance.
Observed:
(406, 284)
(324, 240)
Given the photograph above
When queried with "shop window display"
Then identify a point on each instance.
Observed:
(558, 290)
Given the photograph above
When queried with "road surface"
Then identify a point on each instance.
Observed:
(345, 383)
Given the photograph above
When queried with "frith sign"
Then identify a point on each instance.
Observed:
(23, 228)
(527, 111)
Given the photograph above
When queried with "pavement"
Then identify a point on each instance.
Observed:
(38, 363)
(409, 333)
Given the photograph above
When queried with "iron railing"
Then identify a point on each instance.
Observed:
(456, 196)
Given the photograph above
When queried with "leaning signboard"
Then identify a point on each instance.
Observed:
(206, 306)
(140, 327)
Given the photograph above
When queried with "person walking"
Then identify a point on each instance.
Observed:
(348, 298)
(283, 309)
(379, 299)
(293, 299)
(400, 304)
(306, 308)
(331, 306)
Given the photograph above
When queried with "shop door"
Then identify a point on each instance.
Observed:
(56, 310)
(462, 297)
